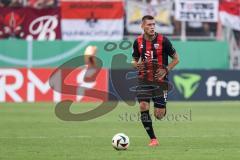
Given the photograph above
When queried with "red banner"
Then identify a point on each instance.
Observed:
(92, 20)
(87, 9)
(30, 23)
(32, 85)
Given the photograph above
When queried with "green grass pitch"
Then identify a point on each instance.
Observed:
(191, 131)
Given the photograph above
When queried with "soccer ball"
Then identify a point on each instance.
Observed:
(120, 141)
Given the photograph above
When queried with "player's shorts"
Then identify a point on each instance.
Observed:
(147, 91)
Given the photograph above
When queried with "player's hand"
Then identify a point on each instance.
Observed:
(140, 66)
(160, 73)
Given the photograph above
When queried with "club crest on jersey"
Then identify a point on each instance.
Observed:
(141, 46)
(156, 45)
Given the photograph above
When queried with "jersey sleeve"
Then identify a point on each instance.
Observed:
(168, 48)
(135, 53)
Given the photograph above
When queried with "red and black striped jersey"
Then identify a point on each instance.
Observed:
(156, 50)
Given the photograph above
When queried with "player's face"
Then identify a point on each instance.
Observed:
(148, 27)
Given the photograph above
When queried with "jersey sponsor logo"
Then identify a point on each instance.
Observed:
(187, 84)
(156, 46)
(149, 55)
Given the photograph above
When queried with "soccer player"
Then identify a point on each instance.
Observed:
(150, 57)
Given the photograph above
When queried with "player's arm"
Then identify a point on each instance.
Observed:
(135, 55)
(170, 51)
(174, 62)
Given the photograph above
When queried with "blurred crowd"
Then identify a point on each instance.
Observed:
(194, 29)
(53, 3)
(39, 4)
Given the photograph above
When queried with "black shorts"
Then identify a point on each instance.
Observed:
(146, 91)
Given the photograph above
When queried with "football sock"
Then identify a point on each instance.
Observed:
(147, 123)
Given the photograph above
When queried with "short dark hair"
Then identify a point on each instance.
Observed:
(147, 17)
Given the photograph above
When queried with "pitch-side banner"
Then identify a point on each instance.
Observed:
(92, 20)
(196, 10)
(32, 85)
(162, 13)
(30, 23)
(187, 85)
(230, 14)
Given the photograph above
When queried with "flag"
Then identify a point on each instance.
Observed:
(92, 20)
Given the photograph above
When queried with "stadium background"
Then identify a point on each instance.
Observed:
(37, 36)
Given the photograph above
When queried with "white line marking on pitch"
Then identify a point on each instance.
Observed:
(79, 136)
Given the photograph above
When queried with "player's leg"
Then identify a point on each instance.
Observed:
(146, 118)
(144, 95)
(159, 113)
(160, 102)
(160, 107)
(144, 105)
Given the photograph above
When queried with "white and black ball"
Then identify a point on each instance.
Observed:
(120, 141)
